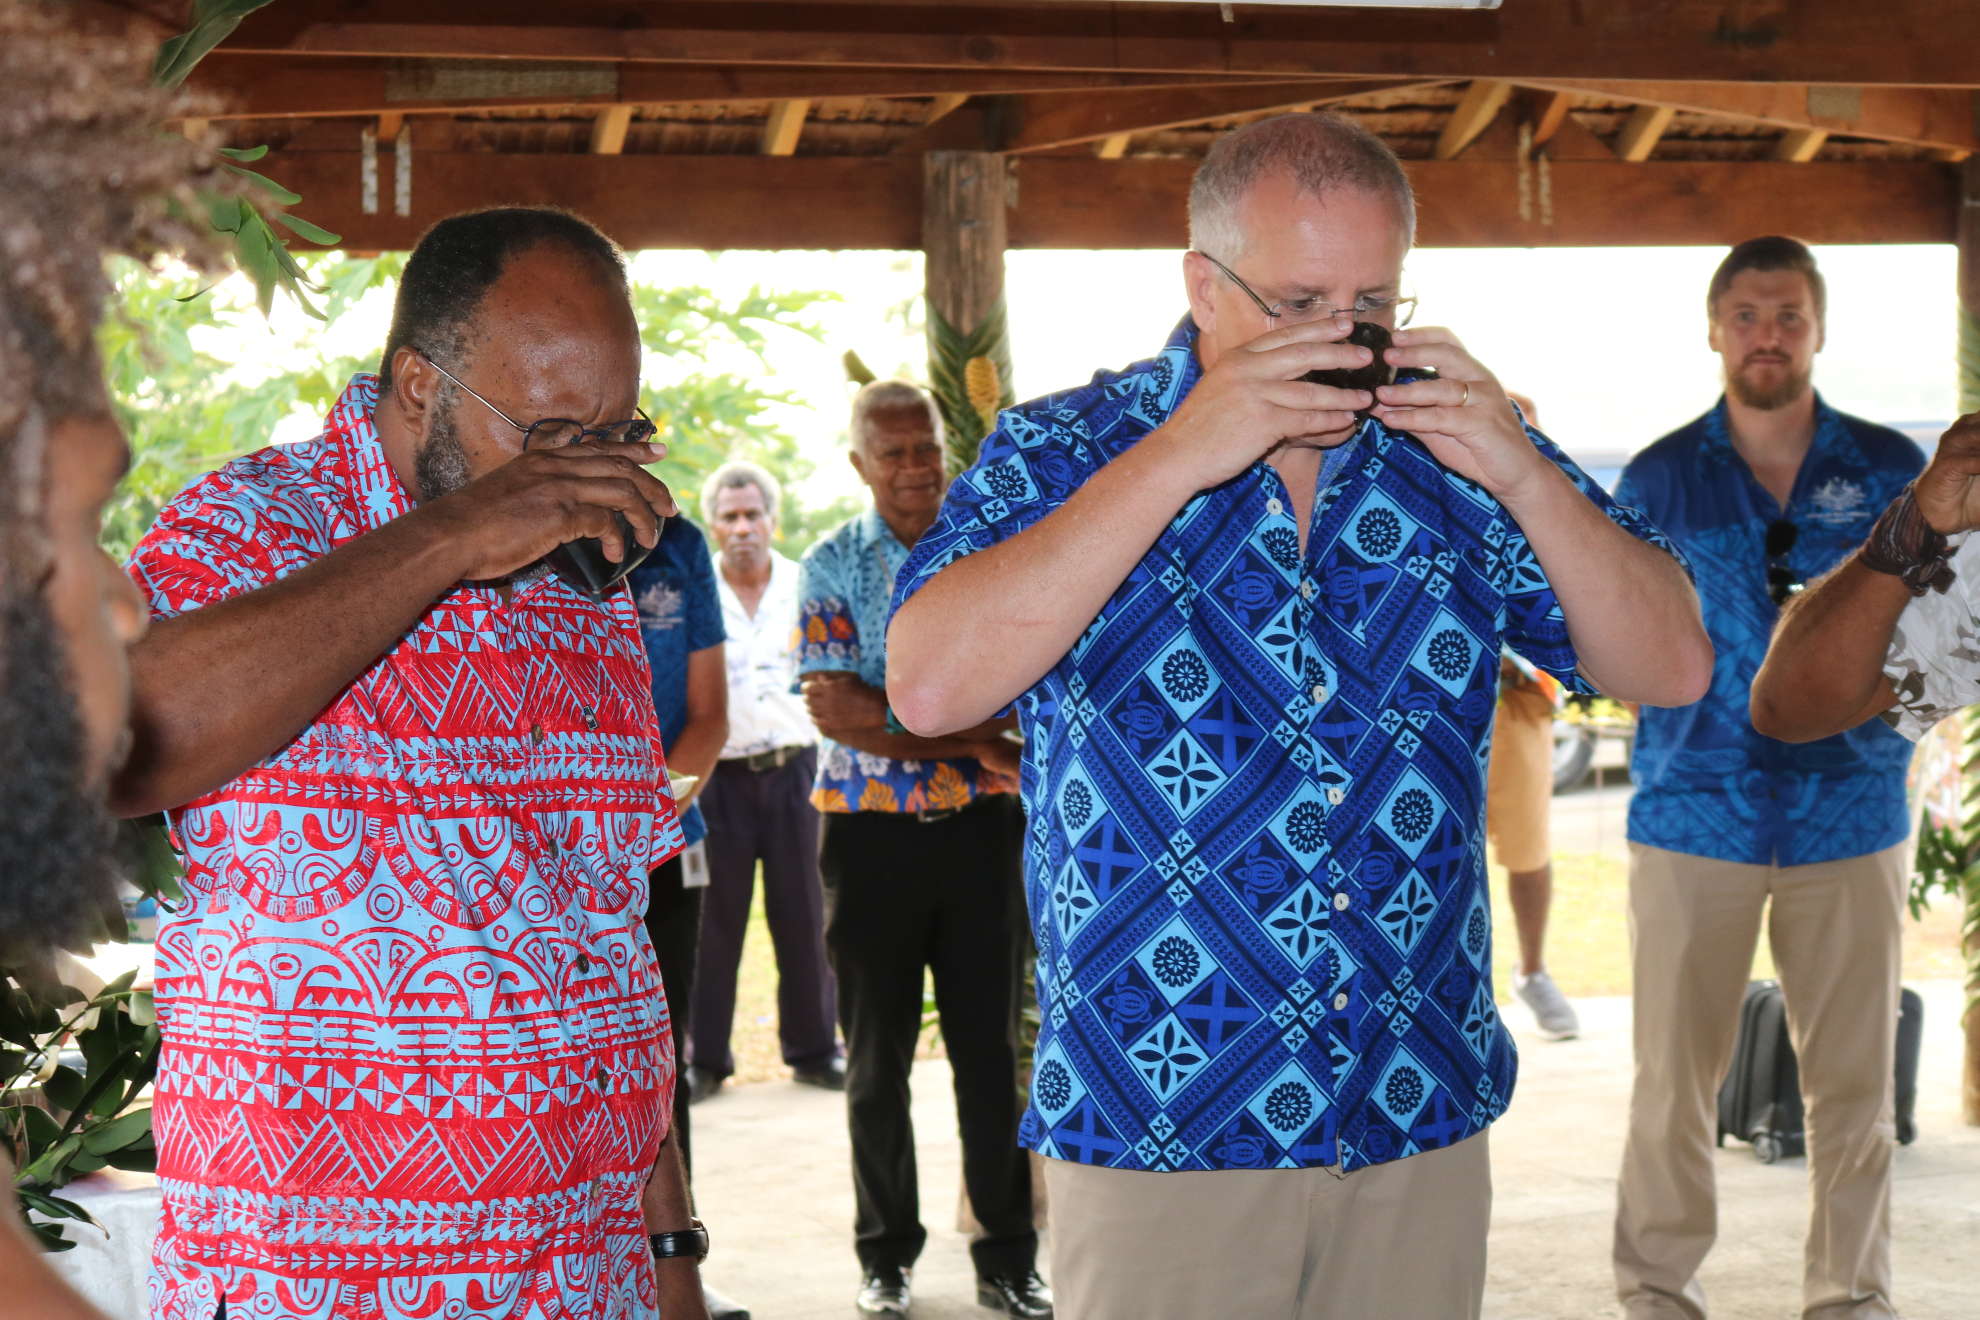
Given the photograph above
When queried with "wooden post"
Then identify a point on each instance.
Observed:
(1969, 285)
(964, 230)
(1969, 401)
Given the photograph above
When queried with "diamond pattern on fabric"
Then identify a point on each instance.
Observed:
(1264, 760)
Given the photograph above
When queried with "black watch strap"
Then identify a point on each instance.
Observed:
(689, 1241)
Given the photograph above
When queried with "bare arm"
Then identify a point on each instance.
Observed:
(668, 1207)
(698, 748)
(989, 625)
(1824, 671)
(217, 689)
(850, 711)
(1616, 591)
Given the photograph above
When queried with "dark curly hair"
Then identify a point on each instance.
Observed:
(459, 259)
(87, 169)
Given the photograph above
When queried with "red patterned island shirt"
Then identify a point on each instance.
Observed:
(416, 1059)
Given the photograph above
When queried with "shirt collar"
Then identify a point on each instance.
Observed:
(873, 530)
(1828, 428)
(372, 491)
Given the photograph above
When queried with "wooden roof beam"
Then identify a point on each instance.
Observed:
(1799, 145)
(1921, 116)
(1642, 131)
(1080, 202)
(784, 127)
(290, 87)
(1480, 105)
(1546, 111)
(1821, 41)
(1050, 122)
(608, 130)
(944, 103)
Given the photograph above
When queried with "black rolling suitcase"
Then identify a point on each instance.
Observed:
(1760, 1098)
(1911, 1030)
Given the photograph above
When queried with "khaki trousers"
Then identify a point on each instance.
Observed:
(1397, 1241)
(1834, 927)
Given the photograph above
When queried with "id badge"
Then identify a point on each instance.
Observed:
(694, 866)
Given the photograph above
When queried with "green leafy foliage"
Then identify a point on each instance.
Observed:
(184, 407)
(1947, 862)
(950, 351)
(213, 21)
(92, 1057)
(708, 416)
(251, 216)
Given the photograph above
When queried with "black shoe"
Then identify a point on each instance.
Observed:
(1023, 1295)
(885, 1292)
(829, 1076)
(701, 1084)
(720, 1307)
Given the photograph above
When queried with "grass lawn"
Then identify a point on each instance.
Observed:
(1588, 933)
(1587, 952)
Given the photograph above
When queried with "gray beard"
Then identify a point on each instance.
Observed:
(440, 465)
(1767, 400)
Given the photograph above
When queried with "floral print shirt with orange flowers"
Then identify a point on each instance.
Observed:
(845, 586)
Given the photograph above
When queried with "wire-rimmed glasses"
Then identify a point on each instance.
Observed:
(557, 432)
(1392, 312)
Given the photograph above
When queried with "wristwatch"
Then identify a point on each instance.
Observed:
(689, 1241)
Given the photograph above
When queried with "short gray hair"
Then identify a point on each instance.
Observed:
(1322, 153)
(735, 476)
(891, 396)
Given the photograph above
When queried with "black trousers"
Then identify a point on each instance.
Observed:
(766, 816)
(673, 923)
(900, 895)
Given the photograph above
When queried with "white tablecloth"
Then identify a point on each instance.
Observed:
(110, 1270)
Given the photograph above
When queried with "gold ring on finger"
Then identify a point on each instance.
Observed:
(1467, 393)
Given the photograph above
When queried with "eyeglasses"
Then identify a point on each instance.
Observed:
(1393, 312)
(1783, 583)
(557, 432)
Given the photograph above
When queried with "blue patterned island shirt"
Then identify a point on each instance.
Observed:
(1707, 782)
(1255, 856)
(845, 587)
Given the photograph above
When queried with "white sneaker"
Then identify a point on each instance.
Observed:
(1552, 1013)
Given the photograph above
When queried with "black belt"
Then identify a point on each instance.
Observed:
(774, 759)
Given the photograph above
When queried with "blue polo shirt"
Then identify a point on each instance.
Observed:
(680, 612)
(1255, 852)
(1708, 782)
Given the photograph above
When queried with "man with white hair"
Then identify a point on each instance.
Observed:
(1251, 624)
(922, 876)
(758, 806)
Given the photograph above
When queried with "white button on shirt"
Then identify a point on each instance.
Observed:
(764, 713)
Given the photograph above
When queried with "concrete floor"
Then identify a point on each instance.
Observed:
(773, 1184)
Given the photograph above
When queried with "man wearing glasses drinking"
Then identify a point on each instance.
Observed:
(1253, 643)
(416, 1055)
(1769, 489)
